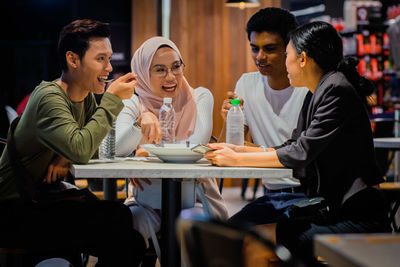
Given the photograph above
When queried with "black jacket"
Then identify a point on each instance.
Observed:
(332, 144)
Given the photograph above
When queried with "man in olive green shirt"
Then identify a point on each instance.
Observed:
(61, 124)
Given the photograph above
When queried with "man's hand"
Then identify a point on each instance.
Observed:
(124, 86)
(151, 129)
(57, 169)
(226, 105)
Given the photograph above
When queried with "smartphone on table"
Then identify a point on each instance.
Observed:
(202, 149)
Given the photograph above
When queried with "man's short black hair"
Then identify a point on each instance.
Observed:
(76, 35)
(272, 19)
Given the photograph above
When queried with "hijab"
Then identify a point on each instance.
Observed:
(183, 102)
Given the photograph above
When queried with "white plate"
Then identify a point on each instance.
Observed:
(178, 153)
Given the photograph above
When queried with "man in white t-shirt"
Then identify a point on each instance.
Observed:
(271, 106)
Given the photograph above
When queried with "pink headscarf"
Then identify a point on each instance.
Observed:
(183, 102)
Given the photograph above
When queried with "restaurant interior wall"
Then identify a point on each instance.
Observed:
(29, 34)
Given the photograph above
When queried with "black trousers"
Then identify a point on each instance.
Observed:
(100, 228)
(365, 212)
(266, 209)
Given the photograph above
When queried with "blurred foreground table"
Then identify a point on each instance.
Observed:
(172, 175)
(356, 250)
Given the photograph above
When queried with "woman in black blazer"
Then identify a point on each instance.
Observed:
(331, 151)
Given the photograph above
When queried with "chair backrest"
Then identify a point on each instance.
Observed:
(54, 262)
(210, 243)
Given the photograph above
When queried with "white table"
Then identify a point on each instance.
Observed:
(392, 143)
(171, 186)
(387, 142)
(356, 250)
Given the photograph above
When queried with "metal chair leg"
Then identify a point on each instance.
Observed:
(221, 184)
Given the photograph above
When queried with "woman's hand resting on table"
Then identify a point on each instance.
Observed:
(234, 147)
(224, 155)
(151, 129)
(58, 169)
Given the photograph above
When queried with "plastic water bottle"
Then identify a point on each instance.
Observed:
(107, 146)
(167, 121)
(234, 124)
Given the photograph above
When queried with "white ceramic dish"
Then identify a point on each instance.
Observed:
(177, 153)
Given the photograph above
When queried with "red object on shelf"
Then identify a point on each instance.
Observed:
(360, 45)
(373, 44)
(393, 11)
(376, 74)
(362, 66)
(378, 43)
(367, 45)
(385, 40)
(338, 24)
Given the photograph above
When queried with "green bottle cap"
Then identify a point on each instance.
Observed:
(235, 101)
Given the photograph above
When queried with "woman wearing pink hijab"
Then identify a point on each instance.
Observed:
(159, 68)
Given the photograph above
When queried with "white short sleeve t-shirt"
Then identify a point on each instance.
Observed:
(271, 115)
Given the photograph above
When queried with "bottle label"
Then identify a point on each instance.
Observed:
(167, 124)
(107, 146)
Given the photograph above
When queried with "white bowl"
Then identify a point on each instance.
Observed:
(177, 153)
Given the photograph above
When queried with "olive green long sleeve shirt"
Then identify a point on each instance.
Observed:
(54, 125)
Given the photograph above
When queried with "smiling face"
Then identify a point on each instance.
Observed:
(168, 86)
(94, 65)
(268, 53)
(293, 62)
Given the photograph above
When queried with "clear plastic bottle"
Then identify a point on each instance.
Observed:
(167, 122)
(107, 146)
(234, 124)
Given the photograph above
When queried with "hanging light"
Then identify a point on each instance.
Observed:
(242, 3)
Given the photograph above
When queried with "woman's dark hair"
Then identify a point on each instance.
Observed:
(272, 19)
(321, 42)
(165, 45)
(76, 35)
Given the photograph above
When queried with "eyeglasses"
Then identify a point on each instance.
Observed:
(162, 71)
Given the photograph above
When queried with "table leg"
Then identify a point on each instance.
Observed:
(110, 189)
(171, 206)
